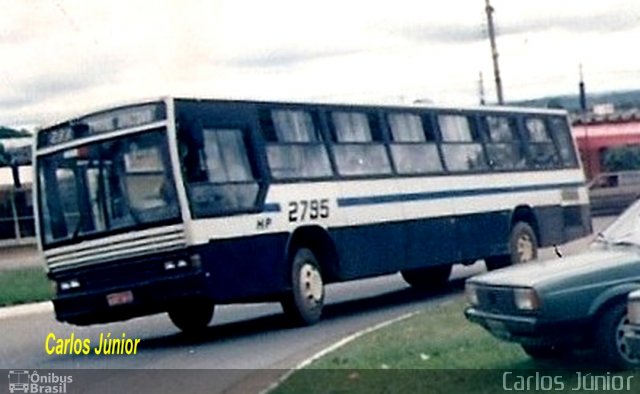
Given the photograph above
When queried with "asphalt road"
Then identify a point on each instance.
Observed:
(244, 340)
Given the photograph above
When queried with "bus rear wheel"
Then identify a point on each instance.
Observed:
(304, 304)
(523, 248)
(427, 278)
(192, 316)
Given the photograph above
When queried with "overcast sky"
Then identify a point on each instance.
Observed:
(61, 58)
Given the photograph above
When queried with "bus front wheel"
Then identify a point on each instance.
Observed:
(192, 316)
(303, 305)
(523, 247)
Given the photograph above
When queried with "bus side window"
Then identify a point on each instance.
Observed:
(461, 146)
(358, 147)
(294, 145)
(504, 147)
(561, 133)
(218, 173)
(542, 151)
(413, 151)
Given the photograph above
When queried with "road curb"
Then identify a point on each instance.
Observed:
(334, 346)
(26, 309)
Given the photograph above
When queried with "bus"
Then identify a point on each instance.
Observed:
(180, 204)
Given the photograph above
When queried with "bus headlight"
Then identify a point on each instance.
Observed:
(181, 264)
(178, 264)
(69, 284)
(633, 308)
(526, 299)
(471, 292)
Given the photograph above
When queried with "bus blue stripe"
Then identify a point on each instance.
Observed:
(391, 198)
(271, 207)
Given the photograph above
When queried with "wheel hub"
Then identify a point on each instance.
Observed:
(621, 343)
(525, 248)
(311, 283)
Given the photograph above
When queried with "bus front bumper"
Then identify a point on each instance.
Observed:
(126, 302)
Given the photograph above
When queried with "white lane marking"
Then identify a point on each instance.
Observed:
(24, 310)
(334, 347)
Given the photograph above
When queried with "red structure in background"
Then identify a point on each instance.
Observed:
(595, 133)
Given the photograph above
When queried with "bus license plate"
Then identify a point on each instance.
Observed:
(123, 297)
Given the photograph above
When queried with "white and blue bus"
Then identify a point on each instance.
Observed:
(177, 205)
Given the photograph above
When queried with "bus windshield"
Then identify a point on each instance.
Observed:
(106, 187)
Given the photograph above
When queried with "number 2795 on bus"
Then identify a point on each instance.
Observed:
(303, 210)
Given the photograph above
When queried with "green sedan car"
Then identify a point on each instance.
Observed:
(551, 307)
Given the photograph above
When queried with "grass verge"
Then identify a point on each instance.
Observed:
(23, 285)
(438, 351)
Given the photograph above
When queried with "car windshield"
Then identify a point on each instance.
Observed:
(106, 187)
(625, 229)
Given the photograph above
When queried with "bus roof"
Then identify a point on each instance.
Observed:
(320, 104)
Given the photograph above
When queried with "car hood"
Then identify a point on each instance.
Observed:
(536, 273)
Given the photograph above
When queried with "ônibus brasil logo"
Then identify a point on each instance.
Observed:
(23, 381)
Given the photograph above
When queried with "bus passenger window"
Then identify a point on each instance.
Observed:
(504, 148)
(294, 126)
(223, 179)
(226, 156)
(542, 151)
(294, 147)
(461, 145)
(406, 128)
(358, 149)
(410, 151)
(562, 135)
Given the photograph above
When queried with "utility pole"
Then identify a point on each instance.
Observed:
(583, 94)
(583, 107)
(494, 52)
(481, 89)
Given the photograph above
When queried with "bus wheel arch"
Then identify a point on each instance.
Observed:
(523, 240)
(311, 260)
(525, 214)
(318, 240)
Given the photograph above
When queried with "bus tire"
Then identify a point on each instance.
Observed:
(427, 278)
(192, 316)
(523, 248)
(304, 304)
(610, 344)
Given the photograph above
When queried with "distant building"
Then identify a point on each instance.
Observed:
(16, 207)
(597, 132)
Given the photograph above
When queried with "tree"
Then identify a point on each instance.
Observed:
(6, 132)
